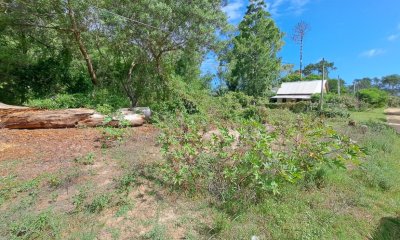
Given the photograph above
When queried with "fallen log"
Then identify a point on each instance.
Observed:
(15, 117)
(8, 109)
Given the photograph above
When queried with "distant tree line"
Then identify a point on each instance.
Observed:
(390, 83)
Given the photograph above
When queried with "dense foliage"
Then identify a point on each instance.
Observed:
(373, 96)
(250, 61)
(147, 51)
(247, 157)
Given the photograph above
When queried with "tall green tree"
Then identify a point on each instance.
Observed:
(333, 85)
(151, 39)
(252, 61)
(316, 68)
(44, 43)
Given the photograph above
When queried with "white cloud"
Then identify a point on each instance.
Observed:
(372, 52)
(287, 7)
(274, 6)
(298, 6)
(234, 10)
(393, 37)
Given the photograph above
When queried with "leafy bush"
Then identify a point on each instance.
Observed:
(249, 161)
(344, 101)
(59, 101)
(334, 112)
(374, 96)
(394, 101)
(105, 109)
(102, 100)
(296, 107)
(111, 136)
(348, 102)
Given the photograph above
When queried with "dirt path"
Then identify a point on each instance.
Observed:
(393, 118)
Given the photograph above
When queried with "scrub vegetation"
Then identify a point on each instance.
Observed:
(216, 160)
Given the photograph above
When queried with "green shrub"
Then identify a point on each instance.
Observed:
(59, 101)
(111, 135)
(344, 101)
(394, 101)
(99, 203)
(296, 107)
(348, 102)
(373, 96)
(249, 162)
(102, 100)
(334, 112)
(105, 109)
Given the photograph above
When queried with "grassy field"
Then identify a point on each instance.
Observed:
(110, 193)
(373, 115)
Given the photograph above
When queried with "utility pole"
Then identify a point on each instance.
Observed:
(354, 87)
(321, 101)
(338, 85)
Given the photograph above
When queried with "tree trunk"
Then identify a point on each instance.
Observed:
(82, 48)
(128, 86)
(301, 60)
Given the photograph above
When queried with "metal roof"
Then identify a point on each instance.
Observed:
(301, 88)
(293, 96)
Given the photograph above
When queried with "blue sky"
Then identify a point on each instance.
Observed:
(362, 37)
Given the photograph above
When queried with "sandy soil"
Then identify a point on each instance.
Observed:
(45, 150)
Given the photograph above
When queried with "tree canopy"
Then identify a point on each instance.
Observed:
(316, 68)
(137, 49)
(251, 60)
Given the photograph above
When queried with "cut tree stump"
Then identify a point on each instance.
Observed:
(16, 117)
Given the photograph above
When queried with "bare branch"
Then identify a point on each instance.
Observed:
(300, 30)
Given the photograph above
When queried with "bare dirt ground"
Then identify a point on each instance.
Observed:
(45, 150)
(393, 118)
(153, 212)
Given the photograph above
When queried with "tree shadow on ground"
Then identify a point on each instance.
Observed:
(388, 229)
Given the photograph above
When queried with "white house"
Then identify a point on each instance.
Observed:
(298, 91)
